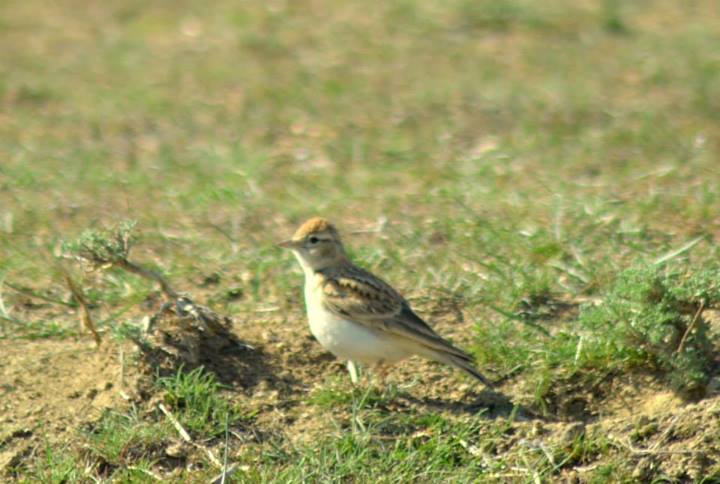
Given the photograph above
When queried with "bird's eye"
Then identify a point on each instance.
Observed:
(314, 240)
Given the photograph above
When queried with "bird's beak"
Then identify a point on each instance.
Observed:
(289, 244)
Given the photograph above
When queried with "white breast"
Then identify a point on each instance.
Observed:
(347, 339)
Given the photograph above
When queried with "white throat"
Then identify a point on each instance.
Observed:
(306, 267)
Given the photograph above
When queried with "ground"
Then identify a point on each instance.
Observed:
(539, 180)
(298, 396)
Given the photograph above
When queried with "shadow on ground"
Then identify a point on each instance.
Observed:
(492, 403)
(184, 335)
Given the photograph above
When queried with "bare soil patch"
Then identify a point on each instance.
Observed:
(51, 388)
(272, 366)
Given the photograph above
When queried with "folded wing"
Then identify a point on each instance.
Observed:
(357, 295)
(361, 297)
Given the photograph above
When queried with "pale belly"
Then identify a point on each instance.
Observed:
(352, 341)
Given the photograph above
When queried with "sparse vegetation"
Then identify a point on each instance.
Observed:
(540, 178)
(195, 395)
(652, 318)
(119, 441)
(102, 248)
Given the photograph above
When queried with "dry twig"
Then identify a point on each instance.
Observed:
(675, 253)
(220, 478)
(176, 423)
(85, 316)
(186, 436)
(690, 327)
(137, 269)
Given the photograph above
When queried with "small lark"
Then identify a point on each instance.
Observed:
(357, 316)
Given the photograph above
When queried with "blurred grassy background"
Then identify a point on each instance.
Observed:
(534, 147)
(523, 153)
(274, 106)
(516, 149)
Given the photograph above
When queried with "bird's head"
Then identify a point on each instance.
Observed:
(316, 244)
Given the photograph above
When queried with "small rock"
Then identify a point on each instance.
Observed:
(175, 449)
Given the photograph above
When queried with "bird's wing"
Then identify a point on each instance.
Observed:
(359, 296)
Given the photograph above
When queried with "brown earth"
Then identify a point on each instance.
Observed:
(52, 388)
(49, 389)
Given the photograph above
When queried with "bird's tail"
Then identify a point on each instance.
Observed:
(462, 361)
(467, 367)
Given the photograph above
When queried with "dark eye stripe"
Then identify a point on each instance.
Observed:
(314, 240)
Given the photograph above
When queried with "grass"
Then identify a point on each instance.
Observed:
(430, 447)
(532, 161)
(120, 440)
(195, 395)
(436, 455)
(55, 465)
(647, 319)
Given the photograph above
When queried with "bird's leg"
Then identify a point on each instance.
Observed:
(352, 369)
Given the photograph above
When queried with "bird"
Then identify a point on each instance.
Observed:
(359, 317)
